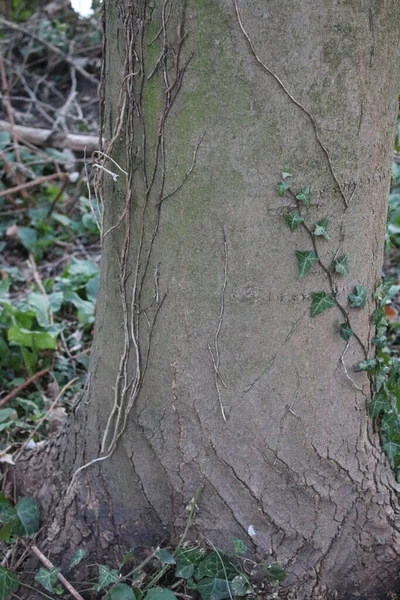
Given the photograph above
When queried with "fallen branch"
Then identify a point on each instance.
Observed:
(23, 385)
(45, 137)
(33, 183)
(49, 565)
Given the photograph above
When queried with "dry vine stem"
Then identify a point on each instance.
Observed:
(139, 320)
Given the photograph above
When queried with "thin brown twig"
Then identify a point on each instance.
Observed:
(33, 183)
(23, 385)
(47, 563)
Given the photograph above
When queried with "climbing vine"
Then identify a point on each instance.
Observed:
(383, 369)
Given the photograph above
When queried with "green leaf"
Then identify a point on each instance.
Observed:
(107, 577)
(7, 529)
(321, 301)
(282, 188)
(341, 266)
(55, 301)
(40, 340)
(159, 593)
(83, 267)
(184, 569)
(379, 341)
(392, 449)
(369, 364)
(306, 260)
(276, 574)
(7, 413)
(28, 512)
(7, 511)
(358, 298)
(304, 196)
(239, 547)
(378, 405)
(286, 174)
(215, 565)
(239, 585)
(8, 583)
(121, 591)
(5, 139)
(165, 557)
(345, 331)
(47, 578)
(214, 589)
(39, 303)
(293, 220)
(28, 238)
(320, 228)
(77, 557)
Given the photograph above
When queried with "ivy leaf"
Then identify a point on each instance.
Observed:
(293, 220)
(282, 188)
(214, 589)
(392, 449)
(345, 331)
(358, 298)
(369, 364)
(107, 577)
(320, 301)
(47, 578)
(165, 557)
(159, 593)
(276, 574)
(341, 266)
(239, 585)
(28, 512)
(320, 228)
(77, 557)
(239, 547)
(286, 174)
(379, 341)
(8, 583)
(378, 405)
(306, 260)
(304, 196)
(121, 591)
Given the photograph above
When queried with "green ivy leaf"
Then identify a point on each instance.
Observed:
(239, 585)
(215, 565)
(165, 557)
(276, 574)
(286, 174)
(368, 365)
(214, 589)
(306, 260)
(379, 341)
(320, 228)
(392, 449)
(47, 578)
(184, 569)
(107, 577)
(378, 405)
(159, 593)
(293, 220)
(239, 547)
(282, 188)
(28, 513)
(7, 511)
(77, 557)
(345, 331)
(121, 591)
(358, 298)
(8, 583)
(341, 266)
(304, 196)
(321, 301)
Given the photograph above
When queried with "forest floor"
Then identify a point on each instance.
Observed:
(50, 64)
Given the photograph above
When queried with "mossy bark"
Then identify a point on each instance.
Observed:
(240, 390)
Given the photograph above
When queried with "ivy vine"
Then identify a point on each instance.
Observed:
(382, 369)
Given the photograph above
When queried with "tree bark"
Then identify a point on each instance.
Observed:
(207, 368)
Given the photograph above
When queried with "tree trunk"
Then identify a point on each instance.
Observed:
(207, 368)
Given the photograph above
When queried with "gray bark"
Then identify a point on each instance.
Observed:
(218, 312)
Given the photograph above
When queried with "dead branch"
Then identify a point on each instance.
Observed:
(45, 137)
(23, 385)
